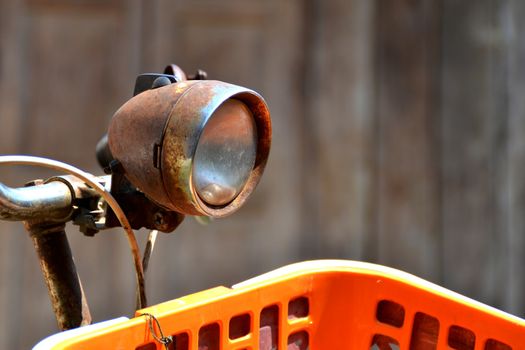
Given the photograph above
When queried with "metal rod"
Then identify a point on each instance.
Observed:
(51, 201)
(60, 274)
(150, 244)
(119, 213)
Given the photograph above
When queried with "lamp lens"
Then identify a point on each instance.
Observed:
(225, 154)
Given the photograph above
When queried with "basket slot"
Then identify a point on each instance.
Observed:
(210, 337)
(493, 344)
(298, 341)
(391, 313)
(269, 328)
(298, 308)
(425, 332)
(383, 342)
(181, 341)
(460, 338)
(240, 326)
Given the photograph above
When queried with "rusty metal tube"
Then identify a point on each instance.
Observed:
(60, 274)
(94, 183)
(51, 201)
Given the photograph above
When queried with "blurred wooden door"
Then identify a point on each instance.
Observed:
(67, 66)
(398, 131)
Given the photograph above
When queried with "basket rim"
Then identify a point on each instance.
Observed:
(360, 267)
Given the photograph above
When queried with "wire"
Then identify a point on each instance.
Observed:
(166, 341)
(92, 181)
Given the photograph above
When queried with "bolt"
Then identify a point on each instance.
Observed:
(159, 221)
(199, 75)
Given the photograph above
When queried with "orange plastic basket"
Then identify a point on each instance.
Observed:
(325, 304)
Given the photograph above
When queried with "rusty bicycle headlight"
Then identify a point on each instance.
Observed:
(197, 147)
(225, 154)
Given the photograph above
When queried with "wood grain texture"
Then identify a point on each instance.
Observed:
(474, 119)
(10, 68)
(254, 44)
(511, 256)
(398, 139)
(408, 185)
(338, 151)
(13, 241)
(65, 70)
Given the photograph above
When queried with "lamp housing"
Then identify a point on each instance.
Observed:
(198, 147)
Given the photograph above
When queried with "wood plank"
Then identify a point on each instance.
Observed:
(10, 68)
(474, 123)
(80, 52)
(512, 250)
(337, 160)
(393, 183)
(12, 237)
(69, 69)
(408, 41)
(255, 44)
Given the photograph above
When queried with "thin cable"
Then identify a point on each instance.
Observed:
(92, 181)
(166, 341)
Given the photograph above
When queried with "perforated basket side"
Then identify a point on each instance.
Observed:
(319, 305)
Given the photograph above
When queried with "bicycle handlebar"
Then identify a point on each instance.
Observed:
(51, 201)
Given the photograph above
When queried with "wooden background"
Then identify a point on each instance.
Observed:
(398, 139)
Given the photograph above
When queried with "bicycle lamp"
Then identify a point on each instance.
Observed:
(198, 147)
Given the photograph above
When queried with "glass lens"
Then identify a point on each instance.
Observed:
(225, 154)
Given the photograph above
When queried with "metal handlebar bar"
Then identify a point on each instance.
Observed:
(45, 207)
(51, 201)
(60, 274)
